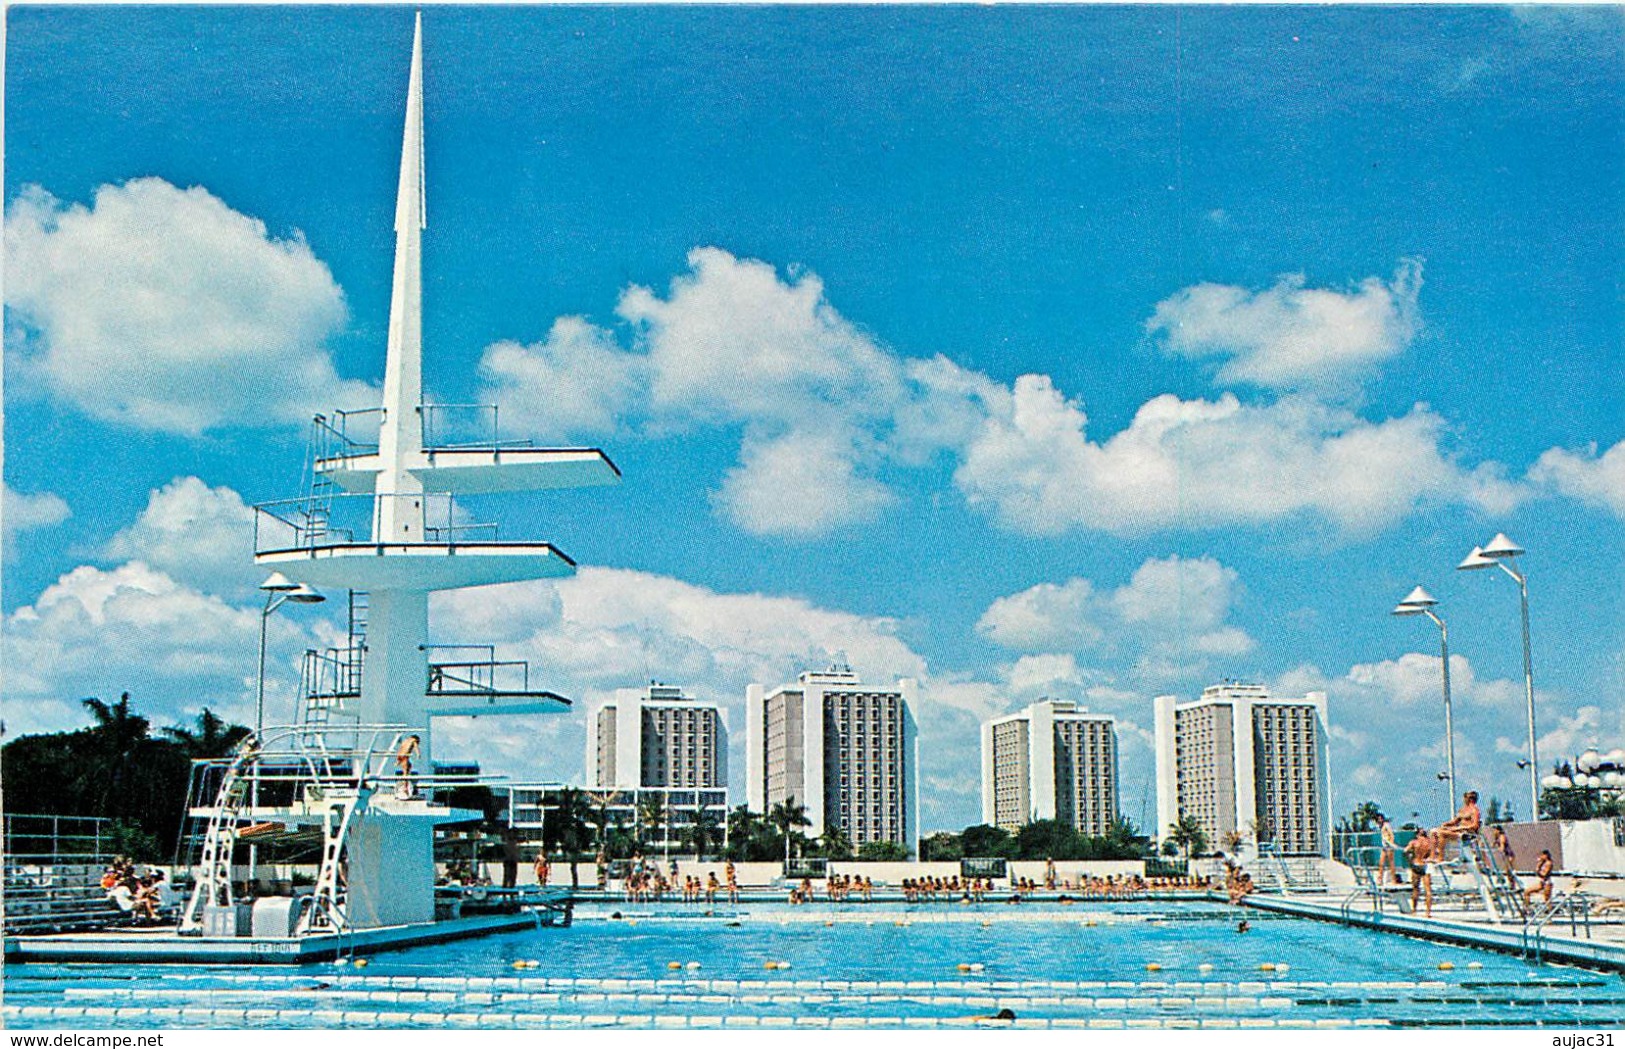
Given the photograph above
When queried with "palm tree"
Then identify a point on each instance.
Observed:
(566, 828)
(118, 735)
(702, 832)
(787, 815)
(836, 845)
(744, 828)
(651, 814)
(600, 816)
(213, 738)
(1364, 816)
(1188, 834)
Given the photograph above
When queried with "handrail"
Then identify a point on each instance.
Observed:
(431, 417)
(321, 520)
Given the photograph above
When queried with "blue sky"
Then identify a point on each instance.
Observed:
(1093, 352)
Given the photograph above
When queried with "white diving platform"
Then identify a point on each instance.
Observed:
(423, 567)
(478, 471)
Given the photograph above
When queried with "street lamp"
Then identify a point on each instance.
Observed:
(1502, 553)
(1421, 603)
(278, 590)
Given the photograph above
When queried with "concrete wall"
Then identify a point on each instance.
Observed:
(1588, 848)
(1529, 838)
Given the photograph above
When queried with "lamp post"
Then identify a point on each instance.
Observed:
(1502, 553)
(279, 590)
(1421, 603)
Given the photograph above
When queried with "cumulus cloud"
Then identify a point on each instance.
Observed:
(1170, 618)
(131, 306)
(133, 628)
(732, 341)
(801, 485)
(1290, 336)
(196, 534)
(1205, 464)
(820, 405)
(1587, 727)
(26, 512)
(1584, 475)
(575, 382)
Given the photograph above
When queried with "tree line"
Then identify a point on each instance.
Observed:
(116, 768)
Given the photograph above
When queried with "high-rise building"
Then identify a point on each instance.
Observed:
(656, 737)
(1241, 760)
(846, 751)
(1050, 761)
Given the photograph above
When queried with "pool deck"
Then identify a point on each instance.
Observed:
(1604, 949)
(164, 945)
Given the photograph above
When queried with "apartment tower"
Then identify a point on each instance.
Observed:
(1241, 760)
(845, 750)
(656, 737)
(1050, 761)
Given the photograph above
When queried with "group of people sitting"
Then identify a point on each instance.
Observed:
(841, 887)
(694, 890)
(144, 894)
(645, 882)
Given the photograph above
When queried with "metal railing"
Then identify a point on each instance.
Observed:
(348, 434)
(449, 427)
(331, 674)
(39, 838)
(477, 677)
(321, 521)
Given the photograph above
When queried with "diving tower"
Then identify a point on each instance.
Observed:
(380, 520)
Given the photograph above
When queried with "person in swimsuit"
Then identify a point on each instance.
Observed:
(407, 751)
(1543, 879)
(1386, 863)
(1420, 852)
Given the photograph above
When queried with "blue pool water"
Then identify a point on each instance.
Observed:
(856, 966)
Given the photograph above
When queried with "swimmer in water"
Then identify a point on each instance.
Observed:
(1243, 925)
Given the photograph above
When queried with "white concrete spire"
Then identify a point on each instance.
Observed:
(400, 438)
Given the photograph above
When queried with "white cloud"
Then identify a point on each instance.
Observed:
(731, 341)
(133, 305)
(26, 512)
(575, 382)
(1170, 617)
(820, 406)
(1573, 735)
(195, 534)
(728, 344)
(1205, 464)
(133, 628)
(801, 485)
(1584, 475)
(1044, 674)
(1046, 616)
(1290, 336)
(1416, 679)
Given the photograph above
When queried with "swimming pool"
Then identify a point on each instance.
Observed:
(1126, 965)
